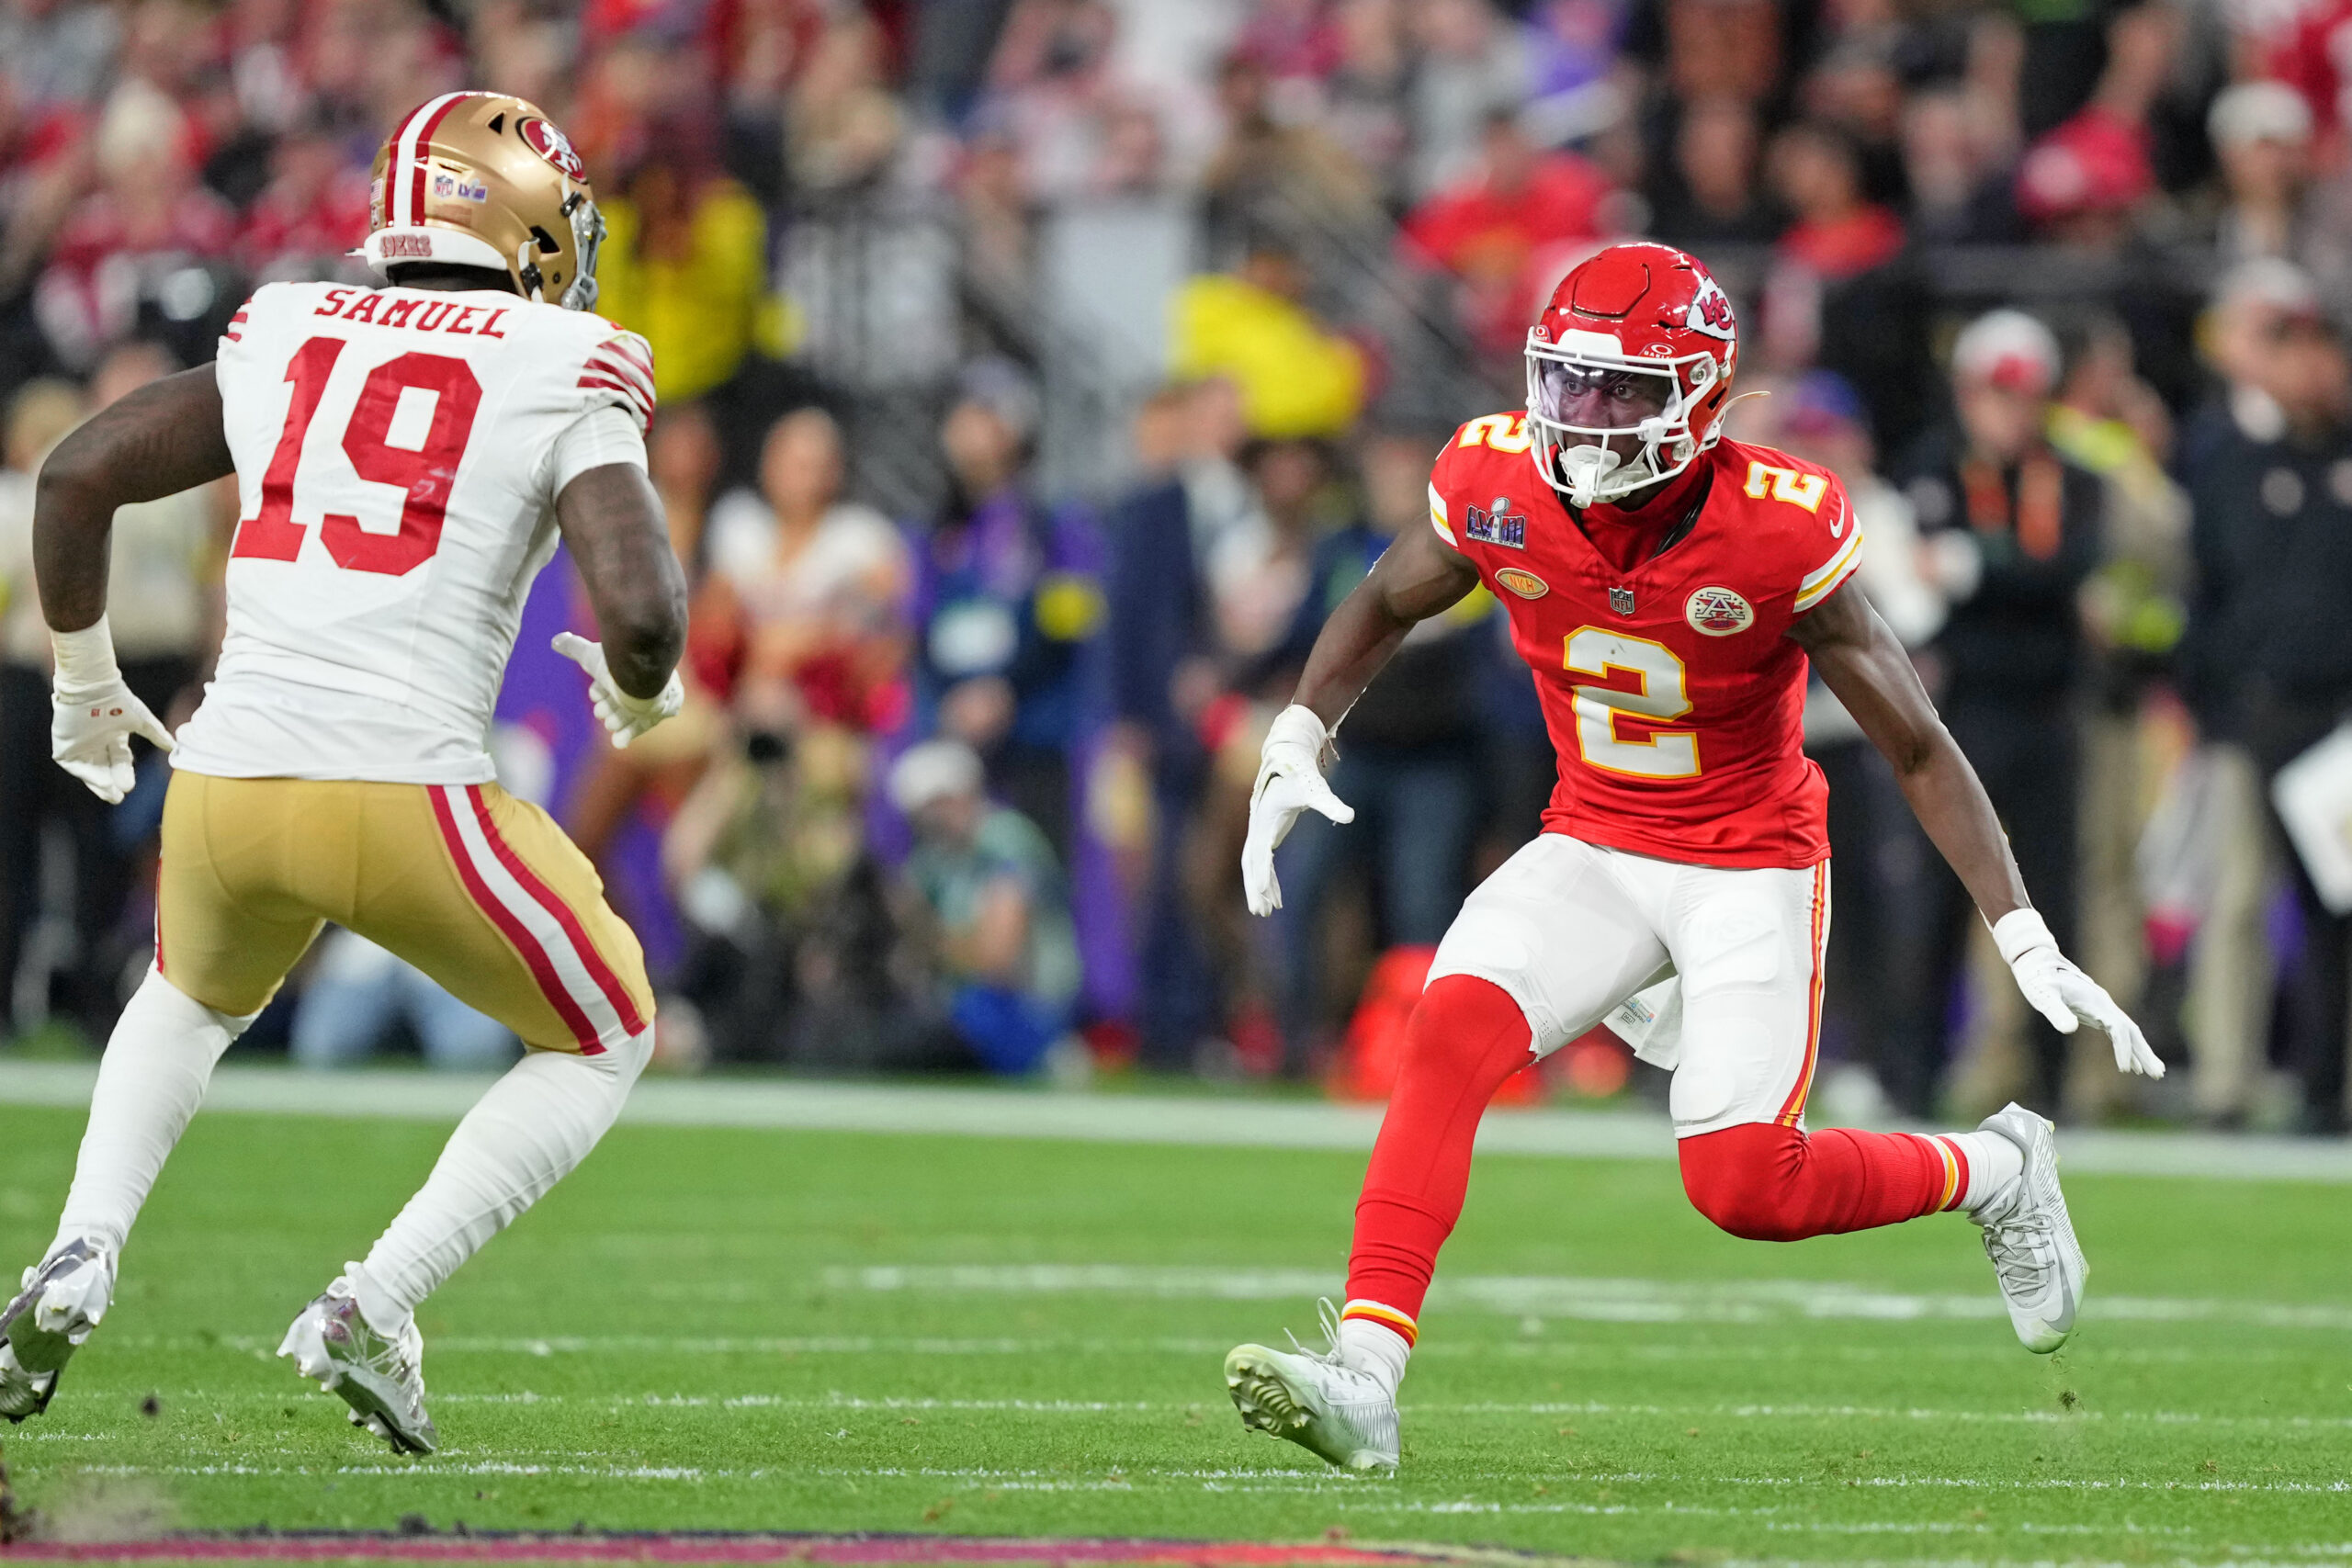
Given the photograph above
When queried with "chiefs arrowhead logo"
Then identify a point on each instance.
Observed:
(1710, 310)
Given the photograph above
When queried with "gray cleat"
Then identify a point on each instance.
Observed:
(381, 1378)
(1316, 1401)
(2030, 1238)
(63, 1300)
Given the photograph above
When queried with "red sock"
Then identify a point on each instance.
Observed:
(1465, 1038)
(1772, 1183)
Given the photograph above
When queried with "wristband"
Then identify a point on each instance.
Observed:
(2019, 932)
(86, 660)
(1298, 725)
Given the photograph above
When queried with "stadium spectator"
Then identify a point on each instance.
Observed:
(356, 995)
(1820, 418)
(819, 584)
(988, 890)
(1167, 674)
(1508, 229)
(1469, 58)
(2013, 530)
(138, 246)
(2271, 204)
(1839, 296)
(2109, 421)
(1275, 169)
(1712, 195)
(2273, 539)
(686, 262)
(1955, 162)
(165, 558)
(1251, 327)
(312, 214)
(1410, 765)
(2221, 906)
(1007, 605)
(842, 127)
(33, 790)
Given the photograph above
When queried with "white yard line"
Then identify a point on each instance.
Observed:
(1199, 1119)
(1538, 1297)
(901, 1404)
(1378, 1491)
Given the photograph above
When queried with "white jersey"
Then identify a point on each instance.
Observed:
(399, 452)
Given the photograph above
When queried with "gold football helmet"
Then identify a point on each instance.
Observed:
(482, 179)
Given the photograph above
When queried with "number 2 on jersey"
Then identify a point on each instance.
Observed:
(1662, 695)
(1786, 484)
(424, 473)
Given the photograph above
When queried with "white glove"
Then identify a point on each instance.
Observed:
(1290, 780)
(2064, 995)
(93, 715)
(626, 716)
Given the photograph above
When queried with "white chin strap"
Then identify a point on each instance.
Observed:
(1581, 470)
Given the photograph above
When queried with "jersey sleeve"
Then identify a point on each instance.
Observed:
(618, 373)
(1442, 481)
(1833, 549)
(602, 435)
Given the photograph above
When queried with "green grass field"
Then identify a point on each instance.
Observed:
(722, 1329)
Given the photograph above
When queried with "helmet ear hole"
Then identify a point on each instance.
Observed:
(548, 245)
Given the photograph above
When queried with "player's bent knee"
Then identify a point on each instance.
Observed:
(1463, 1020)
(1745, 1179)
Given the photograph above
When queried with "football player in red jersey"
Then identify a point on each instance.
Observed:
(1667, 587)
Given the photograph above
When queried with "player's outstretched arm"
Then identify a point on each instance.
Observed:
(1865, 665)
(159, 440)
(1417, 577)
(613, 524)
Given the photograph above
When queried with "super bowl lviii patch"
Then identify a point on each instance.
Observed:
(1497, 525)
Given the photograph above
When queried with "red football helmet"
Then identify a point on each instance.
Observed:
(1628, 371)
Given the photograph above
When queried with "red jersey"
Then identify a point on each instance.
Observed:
(1674, 699)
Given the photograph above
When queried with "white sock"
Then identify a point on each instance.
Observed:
(1993, 1162)
(158, 1063)
(528, 1133)
(1373, 1347)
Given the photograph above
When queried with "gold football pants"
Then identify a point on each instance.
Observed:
(480, 890)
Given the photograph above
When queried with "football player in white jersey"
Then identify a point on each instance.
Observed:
(408, 458)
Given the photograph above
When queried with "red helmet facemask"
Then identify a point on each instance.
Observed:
(1628, 372)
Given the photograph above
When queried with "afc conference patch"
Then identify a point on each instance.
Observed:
(1494, 525)
(1718, 612)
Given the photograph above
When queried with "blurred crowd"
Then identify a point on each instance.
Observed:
(2057, 286)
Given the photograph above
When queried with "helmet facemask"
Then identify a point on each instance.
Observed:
(1606, 424)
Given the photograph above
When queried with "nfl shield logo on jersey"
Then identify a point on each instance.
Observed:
(1718, 612)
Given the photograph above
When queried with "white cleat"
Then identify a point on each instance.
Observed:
(382, 1378)
(1316, 1401)
(62, 1301)
(2030, 1238)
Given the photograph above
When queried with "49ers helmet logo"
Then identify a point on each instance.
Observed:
(554, 146)
(1718, 612)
